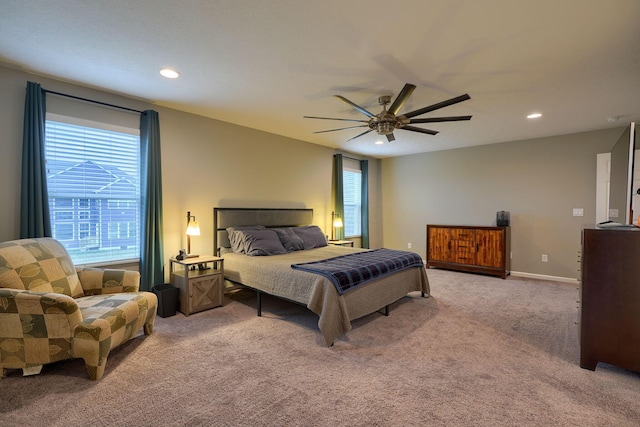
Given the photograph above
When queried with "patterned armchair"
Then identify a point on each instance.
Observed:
(51, 310)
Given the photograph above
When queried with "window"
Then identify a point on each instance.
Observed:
(93, 179)
(352, 192)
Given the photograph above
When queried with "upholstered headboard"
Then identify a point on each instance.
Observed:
(269, 217)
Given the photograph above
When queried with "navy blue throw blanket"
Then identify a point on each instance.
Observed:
(349, 271)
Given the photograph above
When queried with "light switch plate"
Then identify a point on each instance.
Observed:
(578, 212)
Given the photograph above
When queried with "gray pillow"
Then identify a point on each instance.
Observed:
(261, 242)
(237, 240)
(289, 239)
(311, 235)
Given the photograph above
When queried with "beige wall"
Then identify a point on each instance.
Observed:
(538, 181)
(206, 163)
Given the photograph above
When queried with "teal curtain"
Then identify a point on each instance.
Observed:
(364, 200)
(338, 194)
(35, 219)
(151, 243)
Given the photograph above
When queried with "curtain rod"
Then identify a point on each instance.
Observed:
(351, 158)
(92, 101)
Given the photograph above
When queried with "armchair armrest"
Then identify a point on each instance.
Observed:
(12, 300)
(96, 281)
(45, 320)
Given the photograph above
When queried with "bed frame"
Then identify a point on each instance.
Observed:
(288, 217)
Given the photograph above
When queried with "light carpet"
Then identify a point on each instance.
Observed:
(481, 351)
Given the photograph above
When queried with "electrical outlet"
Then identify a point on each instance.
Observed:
(408, 245)
(545, 258)
(578, 212)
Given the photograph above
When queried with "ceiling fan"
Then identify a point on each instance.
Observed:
(387, 121)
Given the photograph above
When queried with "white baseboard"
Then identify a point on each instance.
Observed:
(544, 277)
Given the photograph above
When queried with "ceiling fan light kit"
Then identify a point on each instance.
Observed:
(385, 122)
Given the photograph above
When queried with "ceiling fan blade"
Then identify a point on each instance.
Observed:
(437, 106)
(356, 106)
(390, 137)
(350, 127)
(332, 118)
(415, 129)
(357, 136)
(402, 97)
(440, 119)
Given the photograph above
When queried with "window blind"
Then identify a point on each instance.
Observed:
(93, 179)
(352, 194)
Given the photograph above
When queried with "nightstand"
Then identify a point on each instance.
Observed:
(200, 281)
(340, 242)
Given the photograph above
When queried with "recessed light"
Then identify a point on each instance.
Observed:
(379, 142)
(613, 119)
(534, 115)
(169, 73)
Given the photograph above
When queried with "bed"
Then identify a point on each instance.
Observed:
(275, 276)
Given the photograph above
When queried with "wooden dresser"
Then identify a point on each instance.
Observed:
(485, 250)
(610, 298)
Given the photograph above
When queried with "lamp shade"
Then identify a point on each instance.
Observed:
(337, 222)
(193, 228)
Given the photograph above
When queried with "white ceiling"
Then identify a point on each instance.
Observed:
(266, 63)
